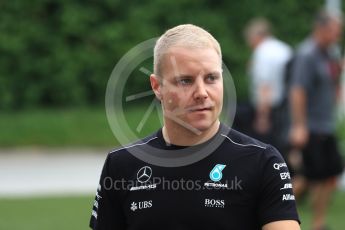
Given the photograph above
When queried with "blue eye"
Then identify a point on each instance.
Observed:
(211, 78)
(184, 81)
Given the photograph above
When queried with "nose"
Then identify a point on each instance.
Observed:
(200, 92)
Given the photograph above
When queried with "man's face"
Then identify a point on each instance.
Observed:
(333, 31)
(192, 87)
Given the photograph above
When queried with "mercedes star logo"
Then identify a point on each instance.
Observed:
(144, 174)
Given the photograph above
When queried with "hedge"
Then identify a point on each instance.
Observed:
(61, 53)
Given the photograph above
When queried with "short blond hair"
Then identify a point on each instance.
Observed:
(187, 35)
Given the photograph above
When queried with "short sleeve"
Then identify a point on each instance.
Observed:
(106, 212)
(302, 71)
(276, 199)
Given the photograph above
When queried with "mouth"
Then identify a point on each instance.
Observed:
(200, 108)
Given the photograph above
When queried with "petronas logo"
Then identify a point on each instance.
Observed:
(216, 173)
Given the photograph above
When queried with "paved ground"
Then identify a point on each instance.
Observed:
(39, 172)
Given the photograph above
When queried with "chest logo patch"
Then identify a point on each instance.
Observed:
(216, 173)
(141, 205)
(144, 174)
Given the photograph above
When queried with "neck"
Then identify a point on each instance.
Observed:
(179, 135)
(258, 41)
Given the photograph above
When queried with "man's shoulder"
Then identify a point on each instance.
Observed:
(241, 140)
(277, 43)
(307, 48)
(273, 48)
(243, 144)
(124, 150)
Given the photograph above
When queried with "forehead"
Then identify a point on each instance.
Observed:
(191, 60)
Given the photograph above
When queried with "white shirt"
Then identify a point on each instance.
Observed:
(268, 68)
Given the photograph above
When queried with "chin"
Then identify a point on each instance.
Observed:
(202, 125)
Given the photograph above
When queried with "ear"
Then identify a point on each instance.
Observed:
(156, 86)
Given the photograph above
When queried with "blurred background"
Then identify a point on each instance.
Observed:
(56, 58)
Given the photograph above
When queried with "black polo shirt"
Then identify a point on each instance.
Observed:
(243, 184)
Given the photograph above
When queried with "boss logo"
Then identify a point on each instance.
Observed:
(214, 203)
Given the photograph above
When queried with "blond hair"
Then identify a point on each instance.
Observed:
(188, 36)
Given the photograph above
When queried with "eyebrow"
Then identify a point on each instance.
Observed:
(183, 76)
(214, 73)
(190, 76)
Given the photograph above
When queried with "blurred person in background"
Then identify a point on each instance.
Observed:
(267, 77)
(313, 96)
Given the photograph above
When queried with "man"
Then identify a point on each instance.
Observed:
(267, 71)
(315, 78)
(188, 82)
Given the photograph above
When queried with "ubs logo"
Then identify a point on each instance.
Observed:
(144, 174)
(141, 205)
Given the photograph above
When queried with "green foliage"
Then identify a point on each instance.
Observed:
(55, 128)
(57, 53)
(72, 127)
